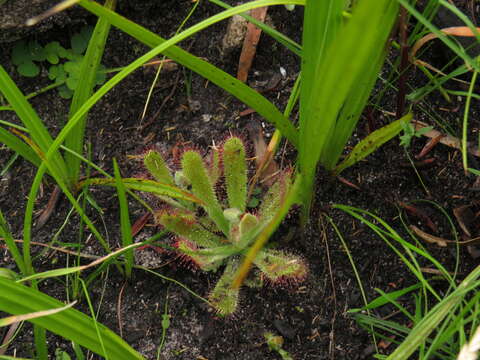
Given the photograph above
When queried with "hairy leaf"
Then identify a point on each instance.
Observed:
(235, 172)
(204, 259)
(278, 266)
(185, 225)
(194, 169)
(147, 186)
(275, 197)
(223, 296)
(155, 164)
(214, 170)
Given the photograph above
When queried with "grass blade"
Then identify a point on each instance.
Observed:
(322, 21)
(71, 324)
(17, 318)
(373, 142)
(88, 76)
(125, 225)
(14, 143)
(32, 122)
(364, 35)
(12, 247)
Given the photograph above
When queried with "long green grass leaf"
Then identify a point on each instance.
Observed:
(17, 318)
(382, 300)
(12, 247)
(322, 20)
(336, 73)
(88, 78)
(71, 324)
(17, 145)
(32, 122)
(125, 225)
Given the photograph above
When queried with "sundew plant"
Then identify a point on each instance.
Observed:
(213, 232)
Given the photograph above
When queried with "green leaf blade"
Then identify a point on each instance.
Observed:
(349, 54)
(373, 142)
(84, 82)
(71, 324)
(125, 225)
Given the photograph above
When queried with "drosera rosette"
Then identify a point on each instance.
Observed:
(215, 232)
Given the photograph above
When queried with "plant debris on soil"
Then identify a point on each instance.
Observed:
(312, 317)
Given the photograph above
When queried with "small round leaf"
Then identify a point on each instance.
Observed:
(72, 83)
(28, 69)
(65, 92)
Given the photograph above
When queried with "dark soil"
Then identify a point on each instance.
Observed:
(312, 317)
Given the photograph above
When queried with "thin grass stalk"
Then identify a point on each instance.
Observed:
(12, 247)
(160, 67)
(125, 225)
(429, 12)
(465, 120)
(95, 323)
(355, 271)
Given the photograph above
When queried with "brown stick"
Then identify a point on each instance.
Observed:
(51, 206)
(250, 44)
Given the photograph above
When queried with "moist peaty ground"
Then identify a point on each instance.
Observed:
(312, 317)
